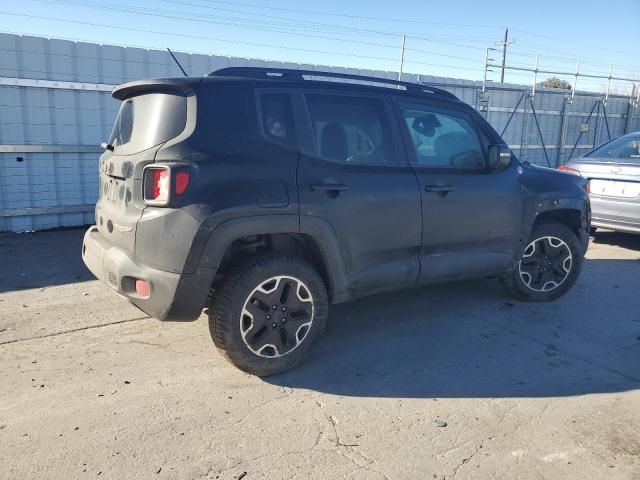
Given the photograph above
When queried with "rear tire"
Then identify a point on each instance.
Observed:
(268, 312)
(548, 267)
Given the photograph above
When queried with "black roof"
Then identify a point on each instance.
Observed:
(298, 76)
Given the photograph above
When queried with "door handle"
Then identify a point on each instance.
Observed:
(329, 187)
(439, 188)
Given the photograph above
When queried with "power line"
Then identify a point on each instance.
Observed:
(197, 37)
(180, 16)
(195, 18)
(146, 12)
(343, 15)
(563, 40)
(341, 28)
(190, 17)
(200, 37)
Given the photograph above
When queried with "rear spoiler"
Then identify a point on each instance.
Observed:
(175, 86)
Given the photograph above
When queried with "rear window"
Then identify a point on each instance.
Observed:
(350, 129)
(623, 148)
(146, 121)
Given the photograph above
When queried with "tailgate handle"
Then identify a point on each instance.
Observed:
(329, 187)
(439, 188)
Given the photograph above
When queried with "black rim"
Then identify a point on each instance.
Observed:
(546, 264)
(276, 316)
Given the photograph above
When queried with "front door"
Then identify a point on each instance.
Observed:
(357, 181)
(471, 215)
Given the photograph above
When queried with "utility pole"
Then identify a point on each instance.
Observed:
(504, 53)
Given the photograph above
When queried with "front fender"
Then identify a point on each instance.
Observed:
(548, 204)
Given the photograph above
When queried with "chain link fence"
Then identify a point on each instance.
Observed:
(550, 127)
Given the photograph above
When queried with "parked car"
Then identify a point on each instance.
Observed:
(613, 173)
(265, 195)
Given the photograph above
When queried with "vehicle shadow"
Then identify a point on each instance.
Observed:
(42, 259)
(618, 239)
(471, 340)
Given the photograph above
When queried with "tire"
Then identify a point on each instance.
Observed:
(549, 266)
(258, 301)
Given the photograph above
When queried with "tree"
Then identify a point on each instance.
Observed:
(555, 82)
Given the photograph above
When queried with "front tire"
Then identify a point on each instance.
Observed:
(549, 265)
(268, 312)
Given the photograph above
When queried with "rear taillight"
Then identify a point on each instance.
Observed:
(564, 168)
(158, 181)
(182, 182)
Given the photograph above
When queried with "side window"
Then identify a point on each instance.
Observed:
(277, 117)
(443, 138)
(350, 129)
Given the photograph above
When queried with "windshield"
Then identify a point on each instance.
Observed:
(623, 148)
(148, 120)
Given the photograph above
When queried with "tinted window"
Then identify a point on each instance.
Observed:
(627, 148)
(443, 138)
(277, 117)
(350, 129)
(148, 120)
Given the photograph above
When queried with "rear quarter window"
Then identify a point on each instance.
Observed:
(277, 118)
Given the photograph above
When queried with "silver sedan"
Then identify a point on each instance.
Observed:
(613, 171)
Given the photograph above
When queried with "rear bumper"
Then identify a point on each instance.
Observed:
(174, 296)
(615, 214)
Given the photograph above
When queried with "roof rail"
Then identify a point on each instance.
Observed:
(298, 75)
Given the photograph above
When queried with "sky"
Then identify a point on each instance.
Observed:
(443, 38)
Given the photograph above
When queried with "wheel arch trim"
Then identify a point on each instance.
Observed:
(319, 230)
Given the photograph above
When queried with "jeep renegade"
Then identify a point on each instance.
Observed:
(265, 195)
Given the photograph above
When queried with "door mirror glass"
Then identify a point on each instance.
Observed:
(499, 156)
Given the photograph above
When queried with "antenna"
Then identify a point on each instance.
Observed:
(177, 62)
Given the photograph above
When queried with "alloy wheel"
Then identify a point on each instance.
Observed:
(545, 264)
(276, 316)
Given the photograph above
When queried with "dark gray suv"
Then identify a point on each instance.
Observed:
(265, 195)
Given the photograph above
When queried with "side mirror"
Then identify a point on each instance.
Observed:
(499, 156)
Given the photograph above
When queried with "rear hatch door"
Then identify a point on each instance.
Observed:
(148, 117)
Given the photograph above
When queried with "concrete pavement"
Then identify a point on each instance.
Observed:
(450, 381)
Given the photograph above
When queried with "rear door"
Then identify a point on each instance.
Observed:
(356, 180)
(471, 216)
(143, 124)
